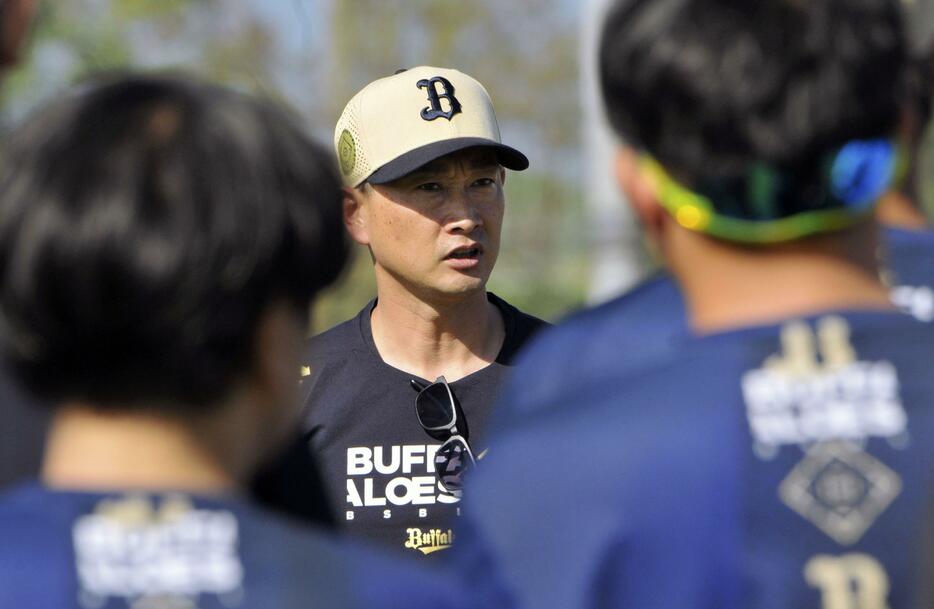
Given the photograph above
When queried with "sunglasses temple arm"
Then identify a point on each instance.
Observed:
(473, 459)
(417, 385)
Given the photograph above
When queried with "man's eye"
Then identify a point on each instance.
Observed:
(429, 186)
(484, 182)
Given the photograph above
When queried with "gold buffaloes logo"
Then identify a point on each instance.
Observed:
(429, 541)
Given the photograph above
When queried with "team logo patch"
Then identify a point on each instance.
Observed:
(167, 552)
(840, 489)
(817, 389)
(435, 110)
(346, 152)
(429, 541)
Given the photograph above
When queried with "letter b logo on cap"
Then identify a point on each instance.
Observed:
(430, 113)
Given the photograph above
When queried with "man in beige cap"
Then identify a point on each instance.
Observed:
(423, 168)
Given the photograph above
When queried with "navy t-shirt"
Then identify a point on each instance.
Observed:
(173, 550)
(910, 263)
(377, 462)
(783, 466)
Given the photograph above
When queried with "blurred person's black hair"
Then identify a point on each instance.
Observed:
(162, 240)
(145, 224)
(774, 80)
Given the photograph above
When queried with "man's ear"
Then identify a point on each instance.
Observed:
(640, 192)
(355, 215)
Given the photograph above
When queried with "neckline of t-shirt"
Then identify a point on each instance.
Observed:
(509, 323)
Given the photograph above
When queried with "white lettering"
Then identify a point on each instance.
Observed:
(175, 551)
(423, 490)
(856, 401)
(353, 497)
(391, 488)
(359, 461)
(380, 490)
(368, 498)
(411, 491)
(430, 452)
(381, 467)
(412, 455)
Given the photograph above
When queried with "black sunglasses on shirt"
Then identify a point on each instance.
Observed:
(436, 412)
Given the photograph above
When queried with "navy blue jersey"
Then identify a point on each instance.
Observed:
(910, 262)
(775, 467)
(173, 550)
(637, 326)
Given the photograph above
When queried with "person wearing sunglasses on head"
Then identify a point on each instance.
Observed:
(777, 453)
(397, 398)
(161, 240)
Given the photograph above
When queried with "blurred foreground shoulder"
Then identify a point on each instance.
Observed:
(66, 550)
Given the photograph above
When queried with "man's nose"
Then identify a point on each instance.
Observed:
(464, 215)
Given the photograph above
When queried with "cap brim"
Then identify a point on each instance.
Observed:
(509, 157)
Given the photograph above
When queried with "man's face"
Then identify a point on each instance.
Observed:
(436, 231)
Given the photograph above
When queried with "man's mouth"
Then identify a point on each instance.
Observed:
(466, 253)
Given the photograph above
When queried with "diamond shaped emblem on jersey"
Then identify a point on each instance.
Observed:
(840, 489)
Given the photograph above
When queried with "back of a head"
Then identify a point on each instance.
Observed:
(727, 92)
(146, 222)
(708, 86)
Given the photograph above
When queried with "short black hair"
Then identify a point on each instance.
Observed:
(146, 223)
(708, 87)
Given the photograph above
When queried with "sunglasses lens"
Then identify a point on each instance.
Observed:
(452, 461)
(434, 407)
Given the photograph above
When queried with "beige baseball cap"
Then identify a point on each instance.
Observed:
(396, 124)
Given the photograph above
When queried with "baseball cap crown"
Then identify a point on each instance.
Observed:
(396, 124)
